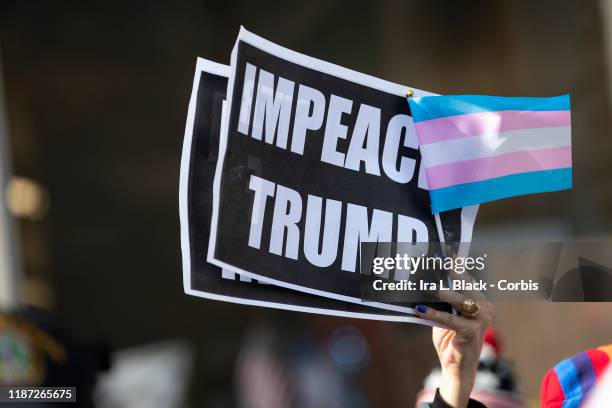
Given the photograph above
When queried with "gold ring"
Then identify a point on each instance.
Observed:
(470, 309)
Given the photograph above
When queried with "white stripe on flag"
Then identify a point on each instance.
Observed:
(477, 147)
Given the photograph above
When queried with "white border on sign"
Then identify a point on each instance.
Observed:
(224, 70)
(330, 69)
(305, 309)
(202, 65)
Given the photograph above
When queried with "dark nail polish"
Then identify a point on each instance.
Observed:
(421, 308)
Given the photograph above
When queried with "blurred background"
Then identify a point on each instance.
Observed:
(92, 118)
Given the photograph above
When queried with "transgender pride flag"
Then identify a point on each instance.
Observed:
(477, 149)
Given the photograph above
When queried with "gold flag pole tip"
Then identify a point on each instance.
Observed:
(409, 93)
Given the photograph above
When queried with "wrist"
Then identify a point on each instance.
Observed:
(455, 389)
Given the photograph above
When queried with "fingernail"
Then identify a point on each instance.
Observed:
(421, 309)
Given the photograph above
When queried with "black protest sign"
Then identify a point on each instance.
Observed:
(198, 163)
(315, 159)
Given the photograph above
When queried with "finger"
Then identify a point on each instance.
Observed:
(454, 298)
(467, 278)
(445, 319)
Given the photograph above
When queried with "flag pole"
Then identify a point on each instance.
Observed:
(10, 270)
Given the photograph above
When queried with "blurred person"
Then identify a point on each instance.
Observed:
(261, 377)
(299, 367)
(35, 350)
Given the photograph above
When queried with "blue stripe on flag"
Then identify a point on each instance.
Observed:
(570, 383)
(433, 107)
(467, 194)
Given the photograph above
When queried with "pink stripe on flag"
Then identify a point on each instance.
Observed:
(468, 171)
(475, 124)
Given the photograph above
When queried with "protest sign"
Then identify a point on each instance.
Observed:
(314, 159)
(198, 163)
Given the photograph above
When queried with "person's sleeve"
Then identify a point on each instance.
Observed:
(439, 402)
